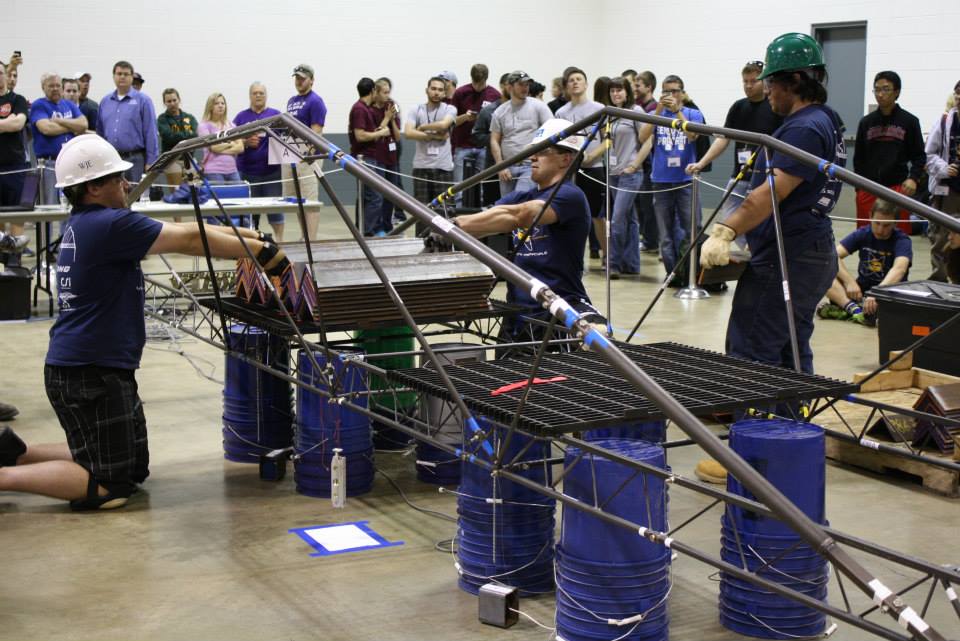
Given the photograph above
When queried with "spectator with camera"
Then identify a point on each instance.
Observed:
(469, 100)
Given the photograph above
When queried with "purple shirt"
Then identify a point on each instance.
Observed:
(308, 109)
(129, 123)
(253, 161)
(214, 163)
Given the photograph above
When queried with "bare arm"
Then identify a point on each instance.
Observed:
(184, 238)
(896, 274)
(505, 218)
(51, 127)
(842, 274)
(76, 125)
(439, 126)
(718, 146)
(362, 135)
(757, 207)
(232, 148)
(413, 133)
(13, 123)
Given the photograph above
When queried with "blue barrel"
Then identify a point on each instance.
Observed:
(653, 431)
(622, 493)
(256, 405)
(505, 530)
(790, 455)
(323, 425)
(624, 575)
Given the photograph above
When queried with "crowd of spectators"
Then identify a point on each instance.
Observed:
(461, 129)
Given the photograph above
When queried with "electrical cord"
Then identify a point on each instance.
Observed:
(428, 512)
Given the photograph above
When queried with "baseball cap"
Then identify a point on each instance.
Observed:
(80, 74)
(305, 71)
(448, 75)
(137, 77)
(518, 76)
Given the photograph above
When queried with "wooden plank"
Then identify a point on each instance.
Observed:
(887, 380)
(924, 378)
(935, 479)
(904, 363)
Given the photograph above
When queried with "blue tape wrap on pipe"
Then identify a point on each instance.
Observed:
(594, 336)
(570, 318)
(474, 428)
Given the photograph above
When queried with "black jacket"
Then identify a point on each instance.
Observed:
(886, 145)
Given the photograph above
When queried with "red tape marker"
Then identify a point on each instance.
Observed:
(521, 384)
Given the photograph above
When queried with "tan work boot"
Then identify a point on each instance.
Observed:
(710, 471)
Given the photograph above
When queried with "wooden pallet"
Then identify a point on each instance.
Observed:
(935, 479)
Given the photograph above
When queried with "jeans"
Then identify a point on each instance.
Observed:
(646, 215)
(377, 211)
(737, 196)
(521, 180)
(758, 328)
(394, 177)
(271, 190)
(479, 156)
(624, 229)
(673, 219)
(11, 184)
(224, 179)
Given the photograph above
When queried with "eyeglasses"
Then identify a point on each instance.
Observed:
(754, 63)
(672, 91)
(882, 90)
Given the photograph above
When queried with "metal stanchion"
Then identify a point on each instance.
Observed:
(691, 291)
(358, 210)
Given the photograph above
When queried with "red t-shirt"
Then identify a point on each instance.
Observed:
(363, 118)
(465, 99)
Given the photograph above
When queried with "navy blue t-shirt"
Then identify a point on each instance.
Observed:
(816, 129)
(553, 253)
(876, 256)
(101, 288)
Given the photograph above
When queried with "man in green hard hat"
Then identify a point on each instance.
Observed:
(794, 75)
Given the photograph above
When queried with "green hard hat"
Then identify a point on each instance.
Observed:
(792, 52)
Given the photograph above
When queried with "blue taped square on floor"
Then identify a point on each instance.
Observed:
(340, 538)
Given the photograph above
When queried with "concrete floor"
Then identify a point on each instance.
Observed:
(204, 551)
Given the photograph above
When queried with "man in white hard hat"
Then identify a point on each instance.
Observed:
(553, 250)
(98, 338)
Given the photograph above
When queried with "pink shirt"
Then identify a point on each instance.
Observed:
(214, 163)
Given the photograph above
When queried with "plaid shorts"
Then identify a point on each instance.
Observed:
(435, 182)
(102, 415)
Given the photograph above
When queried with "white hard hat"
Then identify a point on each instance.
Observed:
(553, 127)
(85, 158)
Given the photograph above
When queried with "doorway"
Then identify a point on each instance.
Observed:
(845, 53)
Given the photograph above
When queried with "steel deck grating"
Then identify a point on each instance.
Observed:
(273, 320)
(594, 395)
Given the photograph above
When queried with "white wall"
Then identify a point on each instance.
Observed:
(201, 47)
(708, 42)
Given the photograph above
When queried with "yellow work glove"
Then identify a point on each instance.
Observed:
(716, 250)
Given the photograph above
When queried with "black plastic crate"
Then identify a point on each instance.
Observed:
(907, 312)
(15, 293)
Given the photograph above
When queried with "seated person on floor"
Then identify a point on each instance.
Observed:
(553, 250)
(884, 257)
